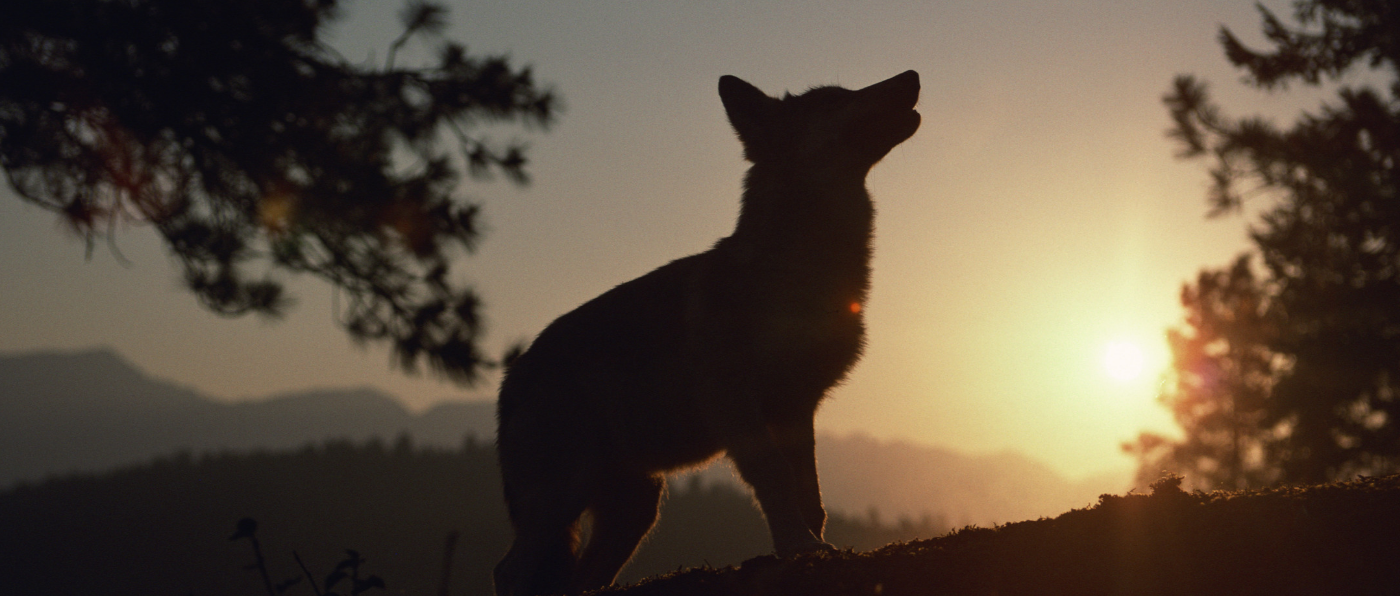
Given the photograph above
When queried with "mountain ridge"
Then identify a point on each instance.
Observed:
(92, 410)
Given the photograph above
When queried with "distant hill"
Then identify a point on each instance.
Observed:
(903, 479)
(91, 411)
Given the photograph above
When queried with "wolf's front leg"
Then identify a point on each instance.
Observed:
(797, 440)
(763, 465)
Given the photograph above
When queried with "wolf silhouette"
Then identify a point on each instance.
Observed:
(727, 351)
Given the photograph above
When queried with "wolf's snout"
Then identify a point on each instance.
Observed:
(908, 77)
(902, 89)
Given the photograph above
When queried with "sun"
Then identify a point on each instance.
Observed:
(1124, 360)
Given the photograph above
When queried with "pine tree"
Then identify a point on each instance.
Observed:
(1329, 238)
(1224, 371)
(255, 151)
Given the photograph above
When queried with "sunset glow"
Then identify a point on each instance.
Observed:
(1124, 361)
(1031, 240)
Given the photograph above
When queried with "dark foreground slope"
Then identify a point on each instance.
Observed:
(1330, 539)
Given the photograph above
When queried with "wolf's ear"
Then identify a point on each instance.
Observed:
(746, 106)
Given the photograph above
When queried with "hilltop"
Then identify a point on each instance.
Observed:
(1339, 538)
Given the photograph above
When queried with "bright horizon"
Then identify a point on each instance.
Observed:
(1031, 238)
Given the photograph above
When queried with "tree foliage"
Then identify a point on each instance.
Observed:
(255, 150)
(1326, 406)
(1225, 370)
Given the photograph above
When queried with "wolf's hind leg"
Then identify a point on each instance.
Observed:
(543, 556)
(624, 510)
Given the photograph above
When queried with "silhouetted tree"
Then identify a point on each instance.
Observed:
(1330, 241)
(253, 149)
(1224, 373)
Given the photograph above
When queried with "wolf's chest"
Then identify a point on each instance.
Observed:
(784, 322)
(808, 322)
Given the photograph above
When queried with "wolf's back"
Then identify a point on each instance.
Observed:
(611, 347)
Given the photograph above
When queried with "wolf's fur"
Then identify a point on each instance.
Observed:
(728, 351)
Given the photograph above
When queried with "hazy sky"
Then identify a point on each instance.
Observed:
(1037, 216)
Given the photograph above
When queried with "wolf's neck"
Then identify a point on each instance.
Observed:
(782, 211)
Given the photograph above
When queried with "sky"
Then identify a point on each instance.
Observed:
(1037, 219)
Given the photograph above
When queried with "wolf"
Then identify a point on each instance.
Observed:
(729, 351)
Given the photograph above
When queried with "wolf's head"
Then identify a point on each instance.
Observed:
(826, 127)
